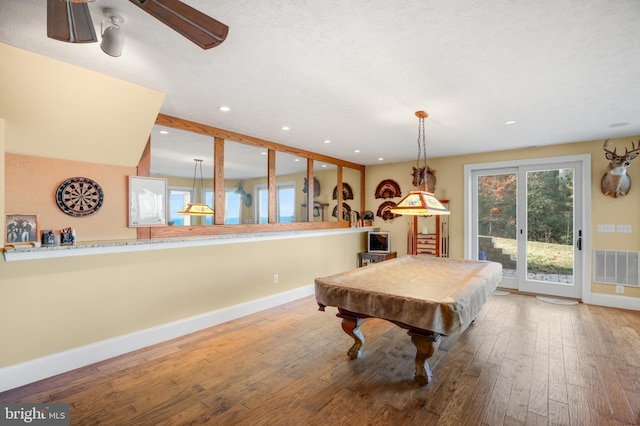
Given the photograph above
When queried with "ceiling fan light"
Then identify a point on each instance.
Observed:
(112, 41)
(112, 36)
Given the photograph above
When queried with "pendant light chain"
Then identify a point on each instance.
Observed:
(195, 173)
(422, 145)
(201, 181)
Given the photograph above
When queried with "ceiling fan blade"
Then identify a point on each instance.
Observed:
(70, 22)
(201, 29)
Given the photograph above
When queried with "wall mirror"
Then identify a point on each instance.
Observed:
(173, 156)
(352, 191)
(249, 179)
(291, 193)
(325, 179)
(246, 191)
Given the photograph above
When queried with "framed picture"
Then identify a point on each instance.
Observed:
(22, 228)
(147, 201)
(354, 219)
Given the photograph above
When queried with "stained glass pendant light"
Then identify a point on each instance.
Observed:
(420, 202)
(197, 209)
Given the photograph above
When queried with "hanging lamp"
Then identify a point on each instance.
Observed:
(420, 202)
(197, 209)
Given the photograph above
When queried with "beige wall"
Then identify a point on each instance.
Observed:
(450, 175)
(53, 305)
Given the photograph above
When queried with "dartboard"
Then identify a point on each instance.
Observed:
(79, 196)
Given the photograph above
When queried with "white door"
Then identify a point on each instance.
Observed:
(529, 218)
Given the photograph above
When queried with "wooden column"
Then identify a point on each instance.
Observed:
(218, 181)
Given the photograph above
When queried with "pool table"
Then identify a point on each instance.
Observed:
(429, 296)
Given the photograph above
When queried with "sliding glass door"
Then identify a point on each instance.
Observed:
(529, 218)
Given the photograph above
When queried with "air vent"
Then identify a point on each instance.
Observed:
(616, 267)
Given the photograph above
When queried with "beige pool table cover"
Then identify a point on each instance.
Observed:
(426, 292)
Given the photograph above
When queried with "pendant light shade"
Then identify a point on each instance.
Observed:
(420, 202)
(196, 209)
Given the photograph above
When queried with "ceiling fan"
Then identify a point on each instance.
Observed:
(70, 21)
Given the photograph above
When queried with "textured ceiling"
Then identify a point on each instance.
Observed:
(354, 72)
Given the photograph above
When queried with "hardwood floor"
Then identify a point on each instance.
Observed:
(522, 362)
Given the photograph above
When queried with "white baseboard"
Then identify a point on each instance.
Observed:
(613, 301)
(51, 365)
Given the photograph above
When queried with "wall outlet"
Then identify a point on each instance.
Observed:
(275, 278)
(606, 228)
(620, 289)
(623, 228)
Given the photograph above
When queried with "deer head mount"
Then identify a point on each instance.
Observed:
(616, 182)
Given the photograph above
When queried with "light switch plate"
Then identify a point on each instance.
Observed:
(623, 228)
(606, 228)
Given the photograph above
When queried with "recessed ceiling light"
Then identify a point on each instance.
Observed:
(619, 124)
(264, 153)
(356, 151)
(510, 122)
(327, 141)
(296, 159)
(324, 165)
(284, 128)
(224, 108)
(164, 132)
(380, 158)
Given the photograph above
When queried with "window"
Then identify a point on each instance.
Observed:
(232, 206)
(207, 196)
(285, 202)
(178, 198)
(262, 205)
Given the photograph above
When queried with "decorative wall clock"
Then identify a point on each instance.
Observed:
(79, 196)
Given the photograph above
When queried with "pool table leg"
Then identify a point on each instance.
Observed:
(426, 345)
(351, 326)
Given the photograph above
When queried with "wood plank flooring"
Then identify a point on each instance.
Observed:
(522, 362)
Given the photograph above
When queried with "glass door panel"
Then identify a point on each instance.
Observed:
(497, 221)
(550, 244)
